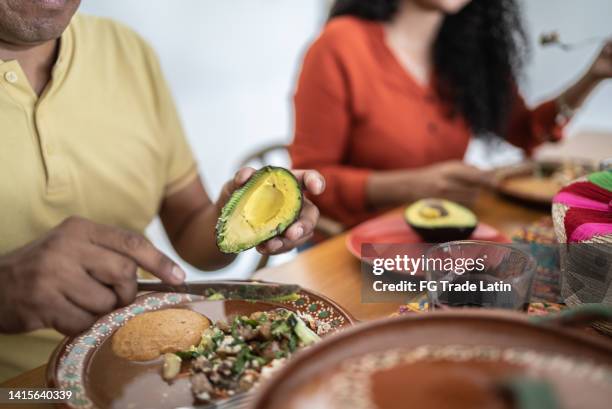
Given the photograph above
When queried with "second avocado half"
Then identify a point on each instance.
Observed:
(439, 220)
(269, 202)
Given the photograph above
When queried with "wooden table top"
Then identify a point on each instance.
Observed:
(330, 269)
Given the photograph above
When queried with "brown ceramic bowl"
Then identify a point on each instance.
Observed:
(360, 368)
(99, 379)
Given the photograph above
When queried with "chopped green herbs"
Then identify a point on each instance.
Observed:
(231, 355)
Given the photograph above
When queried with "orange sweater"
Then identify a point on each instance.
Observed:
(358, 110)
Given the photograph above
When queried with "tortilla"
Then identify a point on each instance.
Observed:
(151, 334)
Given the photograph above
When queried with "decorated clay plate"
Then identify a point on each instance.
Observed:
(87, 366)
(453, 359)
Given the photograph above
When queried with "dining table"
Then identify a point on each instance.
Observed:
(330, 269)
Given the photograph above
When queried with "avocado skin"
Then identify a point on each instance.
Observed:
(235, 198)
(443, 234)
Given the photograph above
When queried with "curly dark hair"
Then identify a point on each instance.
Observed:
(478, 56)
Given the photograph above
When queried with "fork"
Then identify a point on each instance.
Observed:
(552, 39)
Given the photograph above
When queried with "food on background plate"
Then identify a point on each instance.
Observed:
(440, 220)
(540, 181)
(263, 208)
(542, 187)
(232, 356)
(147, 336)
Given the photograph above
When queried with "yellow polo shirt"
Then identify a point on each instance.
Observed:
(103, 142)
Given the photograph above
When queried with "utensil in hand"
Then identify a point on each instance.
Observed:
(229, 290)
(552, 38)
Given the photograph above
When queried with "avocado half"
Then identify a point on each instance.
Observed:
(264, 207)
(440, 220)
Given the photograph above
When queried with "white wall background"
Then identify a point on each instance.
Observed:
(231, 66)
(552, 69)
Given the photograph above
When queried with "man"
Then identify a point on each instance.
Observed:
(92, 150)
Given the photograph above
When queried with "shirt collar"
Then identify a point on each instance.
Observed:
(64, 55)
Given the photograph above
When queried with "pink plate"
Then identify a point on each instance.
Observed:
(393, 229)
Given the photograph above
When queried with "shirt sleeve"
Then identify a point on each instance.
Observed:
(529, 128)
(179, 162)
(321, 136)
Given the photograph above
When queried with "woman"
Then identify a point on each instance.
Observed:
(392, 90)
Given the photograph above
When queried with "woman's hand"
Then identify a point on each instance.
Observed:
(452, 180)
(303, 228)
(602, 66)
(574, 96)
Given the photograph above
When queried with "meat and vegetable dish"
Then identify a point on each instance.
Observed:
(233, 356)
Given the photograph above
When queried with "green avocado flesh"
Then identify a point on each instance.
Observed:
(263, 208)
(439, 220)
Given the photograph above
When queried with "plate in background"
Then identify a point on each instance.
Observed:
(536, 183)
(342, 371)
(393, 229)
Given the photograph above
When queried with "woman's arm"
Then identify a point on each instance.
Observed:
(323, 118)
(600, 69)
(529, 128)
(453, 180)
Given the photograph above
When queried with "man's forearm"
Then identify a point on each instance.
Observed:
(196, 243)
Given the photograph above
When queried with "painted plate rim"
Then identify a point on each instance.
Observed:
(83, 345)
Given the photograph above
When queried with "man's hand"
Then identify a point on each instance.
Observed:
(303, 228)
(77, 272)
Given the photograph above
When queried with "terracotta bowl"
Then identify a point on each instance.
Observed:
(451, 359)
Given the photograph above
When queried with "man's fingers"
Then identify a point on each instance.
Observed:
(239, 179)
(312, 180)
(114, 270)
(295, 231)
(140, 250)
(89, 294)
(67, 318)
(305, 224)
(280, 245)
(271, 246)
(242, 176)
(297, 234)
